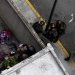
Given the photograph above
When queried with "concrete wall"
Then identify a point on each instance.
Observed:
(16, 25)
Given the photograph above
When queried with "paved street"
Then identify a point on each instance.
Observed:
(63, 9)
(41, 8)
(31, 17)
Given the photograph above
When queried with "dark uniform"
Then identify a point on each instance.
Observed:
(71, 56)
(27, 49)
(47, 33)
(38, 26)
(52, 33)
(21, 57)
(61, 26)
(31, 50)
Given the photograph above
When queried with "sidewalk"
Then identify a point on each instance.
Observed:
(31, 17)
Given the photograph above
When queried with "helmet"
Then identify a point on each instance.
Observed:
(52, 25)
(49, 28)
(59, 22)
(41, 22)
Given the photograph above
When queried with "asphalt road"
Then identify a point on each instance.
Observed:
(63, 11)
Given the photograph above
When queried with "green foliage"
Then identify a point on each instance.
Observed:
(9, 62)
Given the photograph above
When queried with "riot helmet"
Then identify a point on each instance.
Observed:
(52, 25)
(41, 22)
(59, 22)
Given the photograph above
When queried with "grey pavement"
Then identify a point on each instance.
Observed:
(31, 18)
(68, 65)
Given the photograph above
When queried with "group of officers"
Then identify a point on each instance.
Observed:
(54, 31)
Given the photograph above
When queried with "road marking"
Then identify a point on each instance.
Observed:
(62, 47)
(31, 6)
(71, 19)
(65, 51)
(59, 43)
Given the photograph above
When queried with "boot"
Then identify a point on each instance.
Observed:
(67, 59)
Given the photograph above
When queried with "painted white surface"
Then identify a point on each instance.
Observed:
(45, 65)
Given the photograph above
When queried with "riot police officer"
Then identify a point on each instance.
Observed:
(38, 26)
(47, 33)
(53, 33)
(61, 26)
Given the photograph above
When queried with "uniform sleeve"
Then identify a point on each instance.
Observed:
(35, 24)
